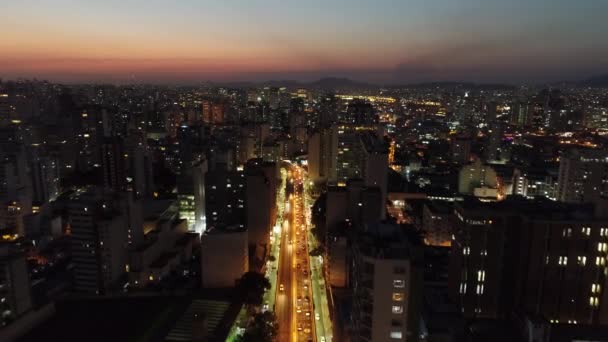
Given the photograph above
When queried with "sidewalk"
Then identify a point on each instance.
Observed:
(240, 323)
(324, 324)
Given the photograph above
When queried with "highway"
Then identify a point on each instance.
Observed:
(294, 296)
(284, 307)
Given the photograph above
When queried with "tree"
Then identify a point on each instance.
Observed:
(251, 287)
(263, 328)
(317, 251)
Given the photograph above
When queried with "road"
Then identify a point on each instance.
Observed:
(294, 298)
(323, 323)
(284, 307)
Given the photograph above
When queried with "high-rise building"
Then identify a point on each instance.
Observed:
(166, 247)
(436, 224)
(261, 185)
(12, 214)
(491, 111)
(224, 256)
(15, 290)
(225, 198)
(374, 168)
(354, 205)
(15, 183)
(350, 158)
(99, 241)
(493, 149)
(522, 114)
(531, 183)
(213, 112)
(191, 195)
(5, 109)
(45, 181)
(359, 112)
(460, 148)
(537, 256)
(114, 160)
(140, 171)
(387, 284)
(322, 155)
(583, 176)
(476, 177)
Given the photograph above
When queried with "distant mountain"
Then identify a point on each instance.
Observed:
(281, 83)
(323, 83)
(596, 81)
(339, 83)
(454, 85)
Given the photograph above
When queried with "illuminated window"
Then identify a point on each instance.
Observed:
(398, 296)
(481, 276)
(397, 309)
(595, 288)
(396, 334)
(586, 231)
(463, 288)
(399, 283)
(563, 260)
(593, 301)
(581, 260)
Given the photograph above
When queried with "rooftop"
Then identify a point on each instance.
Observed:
(540, 208)
(385, 241)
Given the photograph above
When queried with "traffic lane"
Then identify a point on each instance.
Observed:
(285, 287)
(303, 306)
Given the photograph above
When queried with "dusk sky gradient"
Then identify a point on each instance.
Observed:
(381, 41)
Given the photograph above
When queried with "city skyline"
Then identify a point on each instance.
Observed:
(385, 42)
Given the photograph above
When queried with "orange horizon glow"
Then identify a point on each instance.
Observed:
(383, 40)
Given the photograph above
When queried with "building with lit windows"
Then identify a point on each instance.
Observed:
(374, 168)
(460, 149)
(583, 176)
(213, 112)
(349, 153)
(260, 202)
(436, 223)
(362, 154)
(191, 195)
(322, 155)
(114, 164)
(386, 285)
(536, 256)
(166, 244)
(99, 241)
(15, 290)
(5, 109)
(532, 183)
(225, 192)
(478, 179)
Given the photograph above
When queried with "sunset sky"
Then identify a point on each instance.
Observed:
(383, 41)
